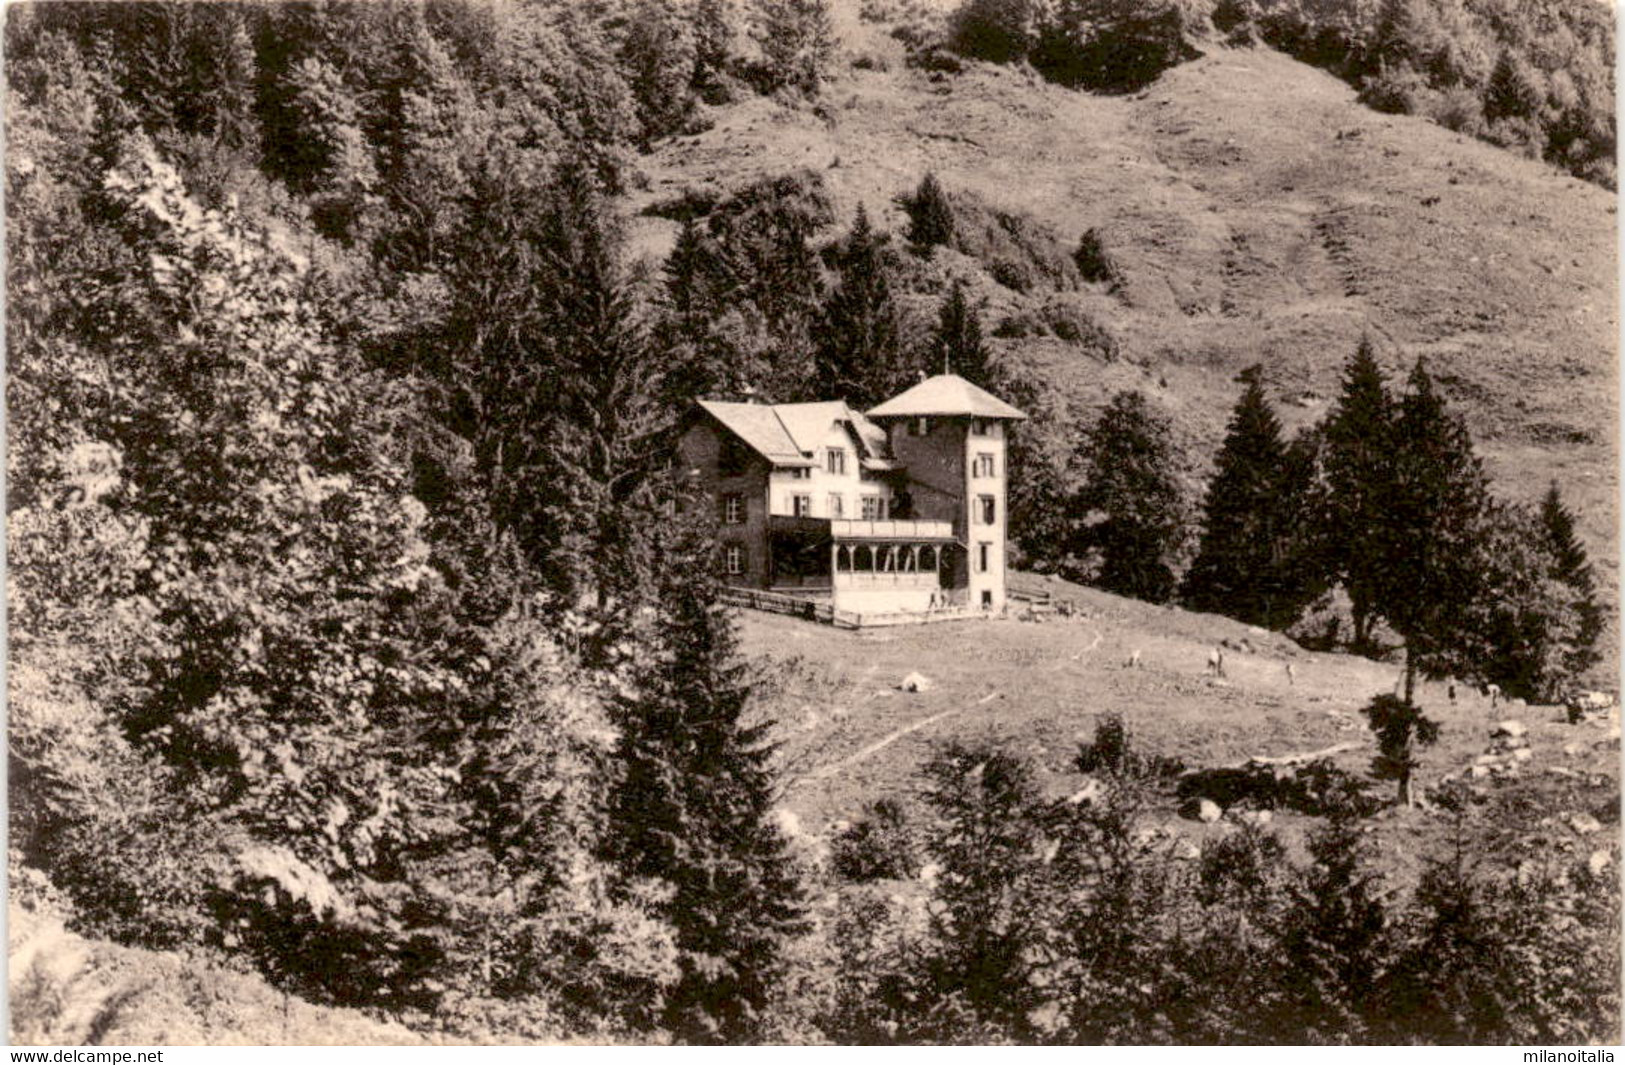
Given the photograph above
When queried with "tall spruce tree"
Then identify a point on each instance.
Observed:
(1537, 619)
(696, 807)
(558, 389)
(1571, 569)
(704, 357)
(1333, 941)
(860, 356)
(1130, 512)
(1359, 448)
(1430, 541)
(1246, 566)
(956, 343)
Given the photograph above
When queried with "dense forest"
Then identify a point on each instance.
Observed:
(358, 630)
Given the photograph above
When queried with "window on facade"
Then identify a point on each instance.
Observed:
(874, 508)
(984, 464)
(837, 505)
(919, 427)
(984, 552)
(801, 506)
(733, 509)
(733, 556)
(984, 427)
(835, 460)
(989, 508)
(732, 458)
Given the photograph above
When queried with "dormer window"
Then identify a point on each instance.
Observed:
(835, 460)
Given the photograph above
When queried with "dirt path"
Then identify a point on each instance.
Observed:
(825, 772)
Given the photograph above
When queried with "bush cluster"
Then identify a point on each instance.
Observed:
(1085, 922)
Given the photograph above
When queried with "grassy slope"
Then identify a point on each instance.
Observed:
(1039, 689)
(1259, 212)
(67, 990)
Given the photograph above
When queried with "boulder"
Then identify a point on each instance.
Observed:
(1522, 754)
(916, 682)
(1204, 810)
(1186, 851)
(1511, 728)
(1599, 862)
(1479, 771)
(1255, 818)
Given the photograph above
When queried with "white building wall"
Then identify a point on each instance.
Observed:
(819, 484)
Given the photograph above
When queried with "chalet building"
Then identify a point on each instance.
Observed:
(902, 509)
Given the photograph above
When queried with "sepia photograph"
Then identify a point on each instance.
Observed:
(652, 523)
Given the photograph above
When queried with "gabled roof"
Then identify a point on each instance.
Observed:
(787, 433)
(946, 394)
(808, 422)
(761, 428)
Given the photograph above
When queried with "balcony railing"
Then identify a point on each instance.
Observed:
(858, 529)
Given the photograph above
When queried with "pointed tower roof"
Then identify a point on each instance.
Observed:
(946, 394)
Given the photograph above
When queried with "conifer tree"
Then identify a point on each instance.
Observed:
(713, 46)
(658, 52)
(797, 40)
(1332, 946)
(559, 388)
(1571, 569)
(1430, 541)
(1130, 510)
(1245, 566)
(696, 807)
(1536, 629)
(988, 836)
(956, 343)
(1401, 728)
(1359, 446)
(931, 216)
(860, 357)
(704, 357)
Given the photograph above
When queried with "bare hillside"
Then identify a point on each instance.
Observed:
(1258, 212)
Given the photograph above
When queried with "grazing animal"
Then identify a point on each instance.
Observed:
(1450, 690)
(1494, 692)
(1215, 662)
(1133, 660)
(1291, 675)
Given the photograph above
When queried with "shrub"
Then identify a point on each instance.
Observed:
(1069, 322)
(1000, 31)
(1019, 325)
(1395, 90)
(1095, 264)
(1114, 45)
(880, 846)
(1015, 276)
(1110, 752)
(1458, 109)
(797, 42)
(930, 216)
(1021, 252)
